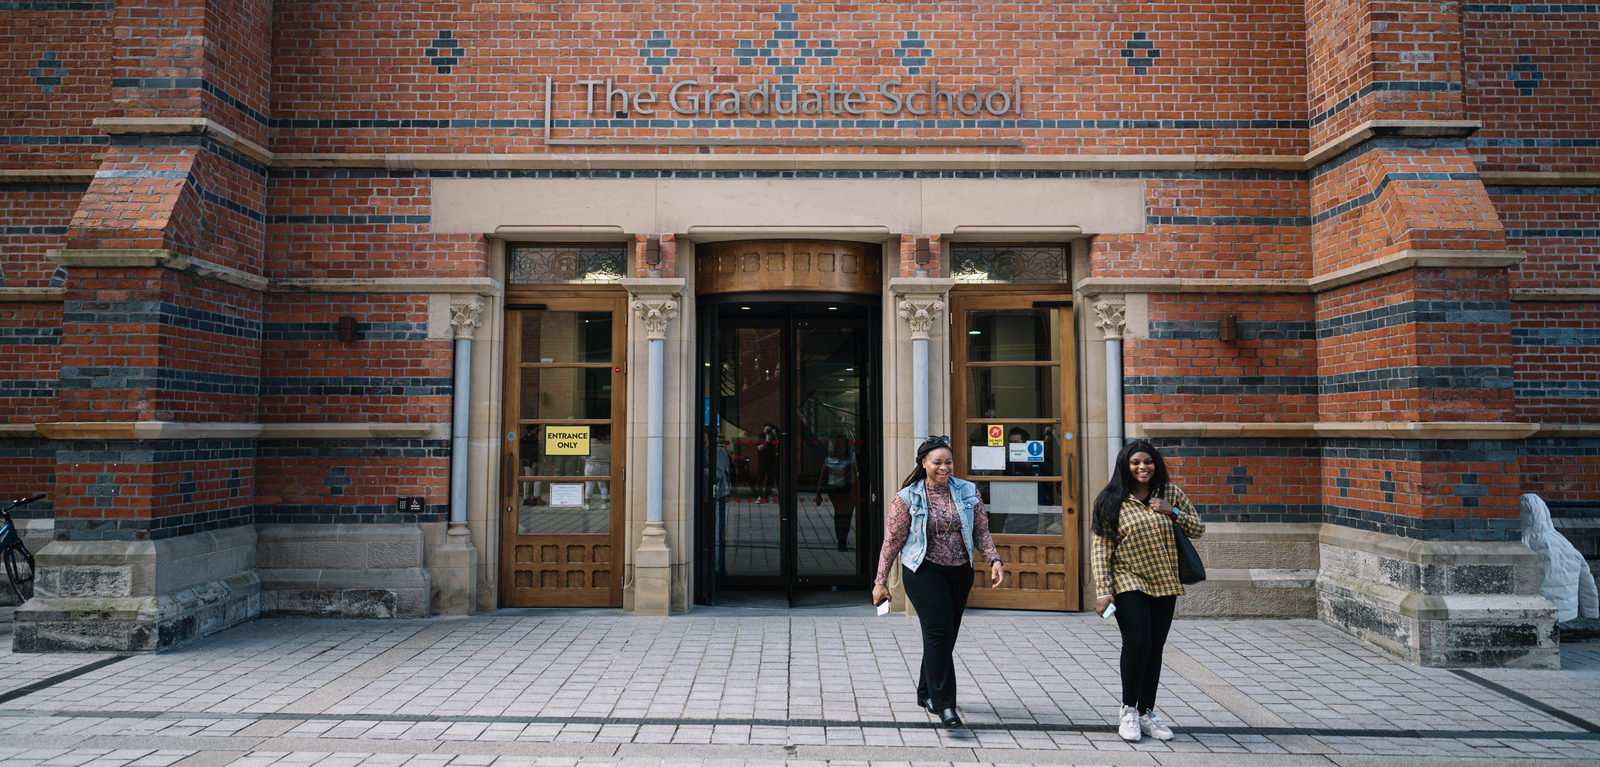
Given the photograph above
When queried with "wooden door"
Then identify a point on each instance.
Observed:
(565, 420)
(1015, 428)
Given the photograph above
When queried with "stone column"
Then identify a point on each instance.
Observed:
(916, 393)
(654, 303)
(1111, 319)
(455, 565)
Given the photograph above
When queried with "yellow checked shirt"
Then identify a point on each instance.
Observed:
(1145, 556)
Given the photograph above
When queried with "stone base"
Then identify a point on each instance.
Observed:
(400, 593)
(1439, 604)
(139, 596)
(652, 574)
(135, 624)
(452, 565)
(1255, 594)
(343, 571)
(1255, 570)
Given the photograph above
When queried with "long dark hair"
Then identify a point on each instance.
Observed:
(918, 474)
(1108, 505)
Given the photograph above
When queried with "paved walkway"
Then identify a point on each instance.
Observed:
(731, 687)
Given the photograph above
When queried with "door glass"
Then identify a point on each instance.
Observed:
(1022, 508)
(1013, 392)
(566, 480)
(749, 535)
(833, 475)
(566, 337)
(1013, 413)
(1012, 335)
(549, 392)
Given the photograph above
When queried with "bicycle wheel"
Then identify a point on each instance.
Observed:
(19, 565)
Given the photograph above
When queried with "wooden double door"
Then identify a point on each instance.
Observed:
(562, 518)
(1014, 430)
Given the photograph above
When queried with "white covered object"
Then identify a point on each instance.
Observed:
(1564, 576)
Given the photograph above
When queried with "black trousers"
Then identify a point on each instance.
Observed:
(1144, 621)
(939, 592)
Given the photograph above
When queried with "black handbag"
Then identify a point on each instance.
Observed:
(1190, 568)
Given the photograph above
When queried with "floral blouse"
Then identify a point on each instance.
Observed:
(945, 545)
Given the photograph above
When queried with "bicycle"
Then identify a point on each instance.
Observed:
(19, 561)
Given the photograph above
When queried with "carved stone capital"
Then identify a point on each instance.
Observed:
(920, 314)
(1113, 318)
(466, 318)
(656, 314)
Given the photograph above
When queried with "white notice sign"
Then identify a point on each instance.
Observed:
(566, 495)
(988, 458)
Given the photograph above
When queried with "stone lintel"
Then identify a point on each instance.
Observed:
(1417, 259)
(1538, 178)
(564, 233)
(1373, 128)
(184, 126)
(481, 286)
(1429, 552)
(152, 430)
(920, 286)
(46, 175)
(148, 430)
(1339, 430)
(1576, 295)
(1307, 532)
(1096, 286)
(708, 234)
(11, 295)
(1569, 430)
(1394, 262)
(439, 430)
(139, 258)
(654, 286)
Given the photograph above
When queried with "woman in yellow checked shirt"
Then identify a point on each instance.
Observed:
(1136, 567)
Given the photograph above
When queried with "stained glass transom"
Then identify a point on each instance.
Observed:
(1008, 264)
(568, 264)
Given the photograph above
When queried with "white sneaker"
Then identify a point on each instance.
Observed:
(1151, 724)
(1128, 728)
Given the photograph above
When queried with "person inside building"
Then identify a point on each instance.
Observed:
(936, 524)
(1135, 560)
(766, 484)
(837, 482)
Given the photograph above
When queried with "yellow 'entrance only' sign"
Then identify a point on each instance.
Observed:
(566, 440)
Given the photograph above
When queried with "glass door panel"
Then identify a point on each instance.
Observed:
(789, 464)
(749, 393)
(834, 471)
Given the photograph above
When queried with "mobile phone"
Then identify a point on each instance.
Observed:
(1111, 610)
(883, 607)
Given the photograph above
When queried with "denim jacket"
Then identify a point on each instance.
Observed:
(965, 495)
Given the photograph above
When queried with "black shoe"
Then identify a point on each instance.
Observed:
(924, 702)
(949, 719)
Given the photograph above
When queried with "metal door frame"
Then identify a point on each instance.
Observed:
(871, 529)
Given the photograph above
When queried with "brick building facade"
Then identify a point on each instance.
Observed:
(1345, 256)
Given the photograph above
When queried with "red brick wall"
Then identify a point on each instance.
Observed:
(1532, 79)
(392, 373)
(50, 106)
(1184, 372)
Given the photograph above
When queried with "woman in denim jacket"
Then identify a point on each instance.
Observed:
(936, 524)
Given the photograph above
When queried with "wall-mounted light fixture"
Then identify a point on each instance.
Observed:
(924, 253)
(1228, 328)
(347, 330)
(652, 251)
